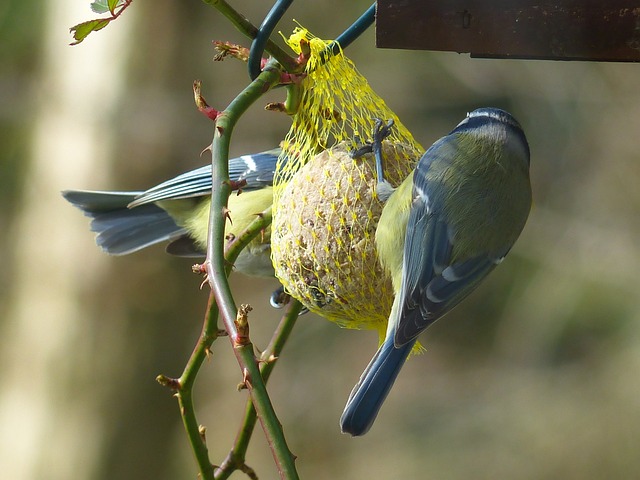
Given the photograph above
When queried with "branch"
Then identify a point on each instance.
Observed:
(233, 249)
(215, 267)
(114, 7)
(183, 386)
(237, 456)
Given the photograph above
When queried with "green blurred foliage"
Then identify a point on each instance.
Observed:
(534, 376)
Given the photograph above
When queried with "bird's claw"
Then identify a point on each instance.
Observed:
(380, 132)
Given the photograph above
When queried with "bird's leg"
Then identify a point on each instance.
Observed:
(380, 132)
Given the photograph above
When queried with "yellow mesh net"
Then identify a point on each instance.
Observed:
(325, 205)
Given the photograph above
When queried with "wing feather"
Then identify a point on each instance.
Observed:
(432, 283)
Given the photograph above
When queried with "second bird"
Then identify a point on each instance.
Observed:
(441, 232)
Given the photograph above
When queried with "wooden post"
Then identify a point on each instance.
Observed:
(593, 30)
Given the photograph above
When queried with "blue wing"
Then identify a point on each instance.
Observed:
(432, 282)
(257, 170)
(126, 222)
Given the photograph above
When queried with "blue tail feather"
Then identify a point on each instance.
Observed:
(374, 385)
(122, 230)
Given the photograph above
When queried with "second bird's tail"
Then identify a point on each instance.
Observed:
(368, 395)
(121, 230)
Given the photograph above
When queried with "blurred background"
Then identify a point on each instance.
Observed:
(536, 375)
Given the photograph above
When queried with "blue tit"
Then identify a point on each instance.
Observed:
(178, 211)
(440, 233)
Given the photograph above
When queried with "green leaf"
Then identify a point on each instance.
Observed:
(83, 29)
(100, 6)
(104, 6)
(113, 4)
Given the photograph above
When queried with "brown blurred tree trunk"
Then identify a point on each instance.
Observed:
(51, 426)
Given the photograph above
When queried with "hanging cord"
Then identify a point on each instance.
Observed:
(356, 29)
(269, 23)
(264, 32)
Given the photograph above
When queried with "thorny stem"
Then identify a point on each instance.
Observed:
(185, 394)
(237, 455)
(183, 386)
(215, 267)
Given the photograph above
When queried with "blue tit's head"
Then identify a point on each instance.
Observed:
(497, 124)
